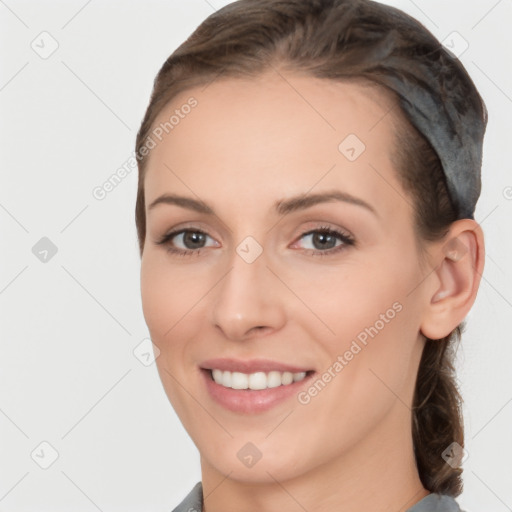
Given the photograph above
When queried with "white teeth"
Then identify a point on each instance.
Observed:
(226, 377)
(257, 380)
(239, 380)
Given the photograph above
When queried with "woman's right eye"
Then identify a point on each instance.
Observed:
(192, 239)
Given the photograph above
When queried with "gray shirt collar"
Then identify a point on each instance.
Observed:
(193, 502)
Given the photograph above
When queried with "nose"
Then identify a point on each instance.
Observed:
(249, 300)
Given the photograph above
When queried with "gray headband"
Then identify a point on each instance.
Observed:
(441, 105)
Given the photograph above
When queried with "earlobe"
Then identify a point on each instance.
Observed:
(455, 279)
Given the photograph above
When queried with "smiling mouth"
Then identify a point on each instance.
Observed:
(256, 380)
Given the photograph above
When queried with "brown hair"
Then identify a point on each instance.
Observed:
(343, 40)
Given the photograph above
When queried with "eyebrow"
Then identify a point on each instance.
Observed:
(281, 207)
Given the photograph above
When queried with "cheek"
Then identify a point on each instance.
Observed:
(156, 296)
(370, 319)
(168, 297)
(344, 301)
(173, 302)
(168, 294)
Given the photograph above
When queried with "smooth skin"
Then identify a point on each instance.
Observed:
(247, 145)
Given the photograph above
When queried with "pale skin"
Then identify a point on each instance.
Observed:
(245, 146)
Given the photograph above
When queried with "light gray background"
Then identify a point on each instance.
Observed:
(70, 325)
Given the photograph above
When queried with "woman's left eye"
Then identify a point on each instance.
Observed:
(322, 239)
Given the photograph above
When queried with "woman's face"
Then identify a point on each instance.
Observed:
(274, 271)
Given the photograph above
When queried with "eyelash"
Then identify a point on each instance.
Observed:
(346, 239)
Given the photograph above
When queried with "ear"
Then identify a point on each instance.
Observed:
(452, 286)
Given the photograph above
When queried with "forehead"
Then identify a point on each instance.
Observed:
(278, 132)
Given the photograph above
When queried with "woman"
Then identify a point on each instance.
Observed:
(308, 174)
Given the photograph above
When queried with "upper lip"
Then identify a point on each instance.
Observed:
(250, 366)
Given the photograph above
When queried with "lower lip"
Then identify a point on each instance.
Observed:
(251, 401)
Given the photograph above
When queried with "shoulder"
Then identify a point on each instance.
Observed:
(436, 503)
(193, 501)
